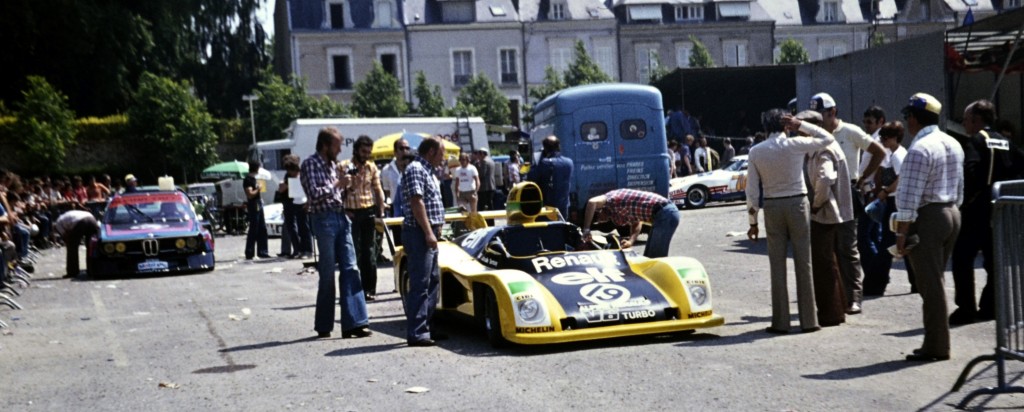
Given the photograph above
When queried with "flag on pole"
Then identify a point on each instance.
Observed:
(969, 18)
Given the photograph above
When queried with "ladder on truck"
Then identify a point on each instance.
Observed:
(464, 133)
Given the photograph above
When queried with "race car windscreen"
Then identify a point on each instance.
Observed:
(164, 209)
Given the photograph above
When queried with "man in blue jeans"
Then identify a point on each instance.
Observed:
(424, 215)
(325, 188)
(629, 207)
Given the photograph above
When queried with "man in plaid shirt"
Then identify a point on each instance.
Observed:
(424, 216)
(325, 188)
(629, 207)
(930, 190)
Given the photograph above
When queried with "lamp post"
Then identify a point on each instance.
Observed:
(252, 116)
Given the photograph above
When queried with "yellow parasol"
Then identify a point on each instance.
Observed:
(384, 147)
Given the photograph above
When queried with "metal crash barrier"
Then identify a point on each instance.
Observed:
(1007, 243)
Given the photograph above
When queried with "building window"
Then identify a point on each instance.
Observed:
(1012, 4)
(557, 11)
(734, 10)
(462, 67)
(389, 61)
(683, 52)
(341, 72)
(384, 15)
(645, 12)
(831, 12)
(646, 61)
(605, 59)
(336, 14)
(689, 12)
(735, 53)
(560, 58)
(831, 49)
(458, 11)
(509, 66)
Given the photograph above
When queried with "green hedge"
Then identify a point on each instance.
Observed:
(115, 127)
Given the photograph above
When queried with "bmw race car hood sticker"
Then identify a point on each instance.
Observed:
(596, 288)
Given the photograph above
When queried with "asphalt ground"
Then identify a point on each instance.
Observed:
(241, 338)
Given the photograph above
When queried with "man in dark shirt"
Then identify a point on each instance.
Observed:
(553, 173)
(485, 168)
(988, 158)
(257, 236)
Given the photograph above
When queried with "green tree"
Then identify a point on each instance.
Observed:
(480, 97)
(877, 39)
(431, 102)
(174, 124)
(280, 103)
(45, 124)
(699, 56)
(96, 50)
(658, 70)
(379, 95)
(583, 69)
(792, 52)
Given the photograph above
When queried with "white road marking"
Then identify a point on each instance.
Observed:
(120, 357)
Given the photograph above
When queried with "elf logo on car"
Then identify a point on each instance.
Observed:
(599, 275)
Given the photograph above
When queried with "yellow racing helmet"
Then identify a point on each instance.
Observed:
(525, 202)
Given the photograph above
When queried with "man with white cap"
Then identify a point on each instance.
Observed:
(131, 185)
(852, 140)
(930, 191)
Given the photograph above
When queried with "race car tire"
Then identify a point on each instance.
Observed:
(492, 320)
(403, 282)
(697, 197)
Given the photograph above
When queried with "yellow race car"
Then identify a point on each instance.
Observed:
(537, 282)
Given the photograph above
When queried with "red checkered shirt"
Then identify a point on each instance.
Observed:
(626, 206)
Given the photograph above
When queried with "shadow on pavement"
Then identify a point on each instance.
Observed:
(864, 371)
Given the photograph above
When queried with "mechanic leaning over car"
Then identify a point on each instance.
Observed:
(424, 216)
(633, 208)
(75, 226)
(325, 188)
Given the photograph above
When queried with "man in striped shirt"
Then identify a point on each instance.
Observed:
(629, 207)
(325, 188)
(930, 190)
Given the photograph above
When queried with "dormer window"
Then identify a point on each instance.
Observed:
(384, 14)
(689, 12)
(557, 11)
(831, 12)
(645, 12)
(335, 14)
(734, 10)
(458, 11)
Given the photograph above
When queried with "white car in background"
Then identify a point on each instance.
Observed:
(726, 184)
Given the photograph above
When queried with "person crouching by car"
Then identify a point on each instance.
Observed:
(633, 208)
(75, 227)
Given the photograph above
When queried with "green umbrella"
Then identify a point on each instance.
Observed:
(228, 170)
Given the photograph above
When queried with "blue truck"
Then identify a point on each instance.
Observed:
(613, 132)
